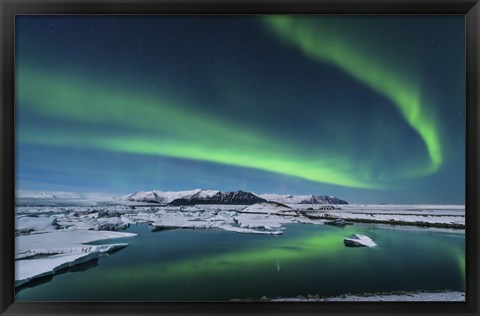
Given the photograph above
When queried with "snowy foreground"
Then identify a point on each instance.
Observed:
(452, 296)
(51, 234)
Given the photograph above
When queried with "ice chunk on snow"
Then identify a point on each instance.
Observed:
(207, 219)
(264, 221)
(27, 224)
(217, 219)
(267, 207)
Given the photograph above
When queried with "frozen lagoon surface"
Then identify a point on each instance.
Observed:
(215, 264)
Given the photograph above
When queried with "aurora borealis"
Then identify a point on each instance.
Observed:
(364, 68)
(367, 108)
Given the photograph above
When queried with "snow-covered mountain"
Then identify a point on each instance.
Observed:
(237, 198)
(303, 199)
(200, 196)
(194, 197)
(156, 196)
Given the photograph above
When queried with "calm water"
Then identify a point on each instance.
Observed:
(206, 265)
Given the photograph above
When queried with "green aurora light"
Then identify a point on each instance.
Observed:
(116, 117)
(162, 127)
(155, 126)
(324, 45)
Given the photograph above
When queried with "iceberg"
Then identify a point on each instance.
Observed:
(43, 254)
(27, 224)
(267, 207)
(357, 240)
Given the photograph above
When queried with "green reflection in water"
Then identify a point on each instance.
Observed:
(285, 250)
(183, 265)
(326, 245)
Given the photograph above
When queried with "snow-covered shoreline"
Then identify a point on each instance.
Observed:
(403, 296)
(442, 216)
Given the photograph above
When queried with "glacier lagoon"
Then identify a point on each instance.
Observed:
(217, 265)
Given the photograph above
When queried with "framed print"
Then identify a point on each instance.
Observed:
(256, 158)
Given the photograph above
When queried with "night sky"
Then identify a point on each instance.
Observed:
(367, 108)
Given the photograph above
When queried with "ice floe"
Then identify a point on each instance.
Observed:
(267, 207)
(357, 240)
(57, 250)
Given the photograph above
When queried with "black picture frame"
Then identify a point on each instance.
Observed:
(10, 8)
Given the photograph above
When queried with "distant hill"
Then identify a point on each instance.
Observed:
(200, 196)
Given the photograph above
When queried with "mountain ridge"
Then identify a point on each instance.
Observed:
(201, 196)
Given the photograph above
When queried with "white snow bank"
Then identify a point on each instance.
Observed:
(405, 207)
(423, 215)
(451, 296)
(414, 297)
